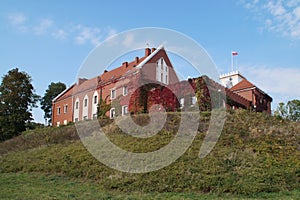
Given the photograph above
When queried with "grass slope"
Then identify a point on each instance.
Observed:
(38, 186)
(256, 153)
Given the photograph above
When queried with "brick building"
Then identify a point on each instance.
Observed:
(237, 83)
(150, 81)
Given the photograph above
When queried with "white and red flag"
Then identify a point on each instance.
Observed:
(234, 53)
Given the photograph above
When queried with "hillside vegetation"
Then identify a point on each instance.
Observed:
(255, 153)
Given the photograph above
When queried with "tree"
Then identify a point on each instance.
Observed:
(290, 111)
(53, 90)
(17, 98)
(102, 108)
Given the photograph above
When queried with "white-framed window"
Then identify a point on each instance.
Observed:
(76, 110)
(85, 117)
(125, 110)
(85, 102)
(125, 90)
(58, 111)
(194, 100)
(112, 113)
(57, 124)
(85, 107)
(66, 108)
(181, 101)
(95, 116)
(113, 94)
(162, 72)
(65, 122)
(94, 105)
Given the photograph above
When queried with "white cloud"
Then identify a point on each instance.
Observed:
(79, 33)
(281, 83)
(88, 34)
(129, 39)
(111, 32)
(275, 8)
(43, 26)
(60, 34)
(17, 18)
(278, 16)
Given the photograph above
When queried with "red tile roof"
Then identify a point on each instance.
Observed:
(244, 84)
(107, 76)
(120, 71)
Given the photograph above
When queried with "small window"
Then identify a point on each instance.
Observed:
(95, 116)
(85, 118)
(181, 102)
(58, 111)
(113, 94)
(65, 108)
(161, 77)
(65, 122)
(166, 79)
(95, 99)
(166, 68)
(112, 113)
(77, 105)
(125, 90)
(76, 119)
(124, 110)
(194, 100)
(57, 124)
(85, 103)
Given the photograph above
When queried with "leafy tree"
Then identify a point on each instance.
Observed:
(281, 110)
(103, 108)
(53, 90)
(289, 111)
(17, 98)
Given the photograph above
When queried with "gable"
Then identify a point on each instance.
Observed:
(244, 84)
(64, 94)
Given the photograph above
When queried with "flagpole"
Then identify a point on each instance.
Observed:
(231, 61)
(236, 66)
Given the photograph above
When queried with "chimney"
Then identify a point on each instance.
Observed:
(137, 60)
(153, 49)
(125, 64)
(105, 71)
(147, 52)
(81, 80)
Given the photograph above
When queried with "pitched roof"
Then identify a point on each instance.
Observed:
(161, 47)
(120, 71)
(109, 75)
(64, 94)
(244, 84)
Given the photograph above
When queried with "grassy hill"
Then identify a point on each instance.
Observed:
(255, 154)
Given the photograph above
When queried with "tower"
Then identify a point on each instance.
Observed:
(231, 79)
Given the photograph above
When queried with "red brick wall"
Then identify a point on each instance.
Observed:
(66, 99)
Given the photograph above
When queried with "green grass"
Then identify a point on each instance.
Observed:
(256, 156)
(37, 186)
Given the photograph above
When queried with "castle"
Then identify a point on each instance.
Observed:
(151, 82)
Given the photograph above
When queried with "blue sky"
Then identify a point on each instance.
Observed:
(50, 40)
